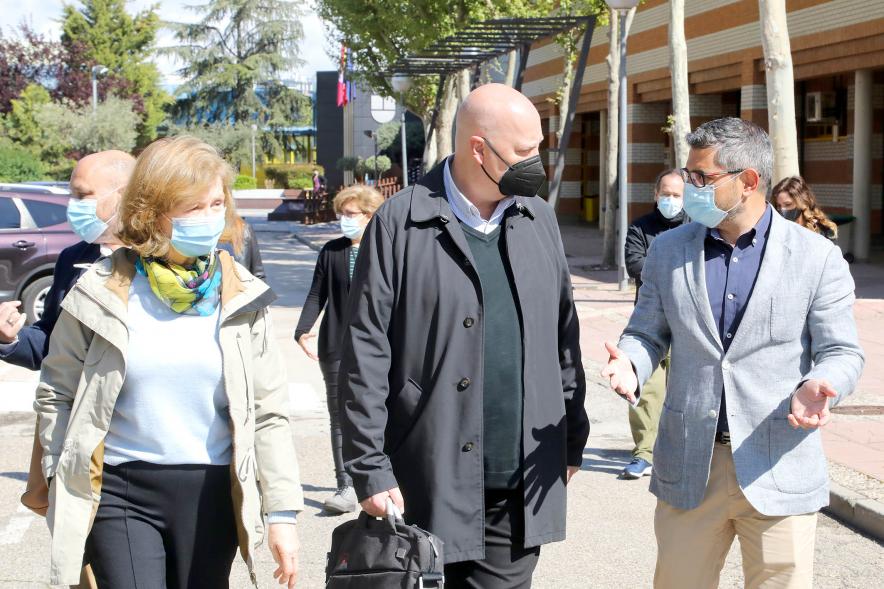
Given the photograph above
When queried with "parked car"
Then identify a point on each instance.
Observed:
(33, 231)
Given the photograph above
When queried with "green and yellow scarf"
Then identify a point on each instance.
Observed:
(190, 291)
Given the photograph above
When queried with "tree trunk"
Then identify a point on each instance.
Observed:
(429, 159)
(780, 88)
(609, 247)
(463, 85)
(610, 181)
(512, 62)
(678, 66)
(445, 119)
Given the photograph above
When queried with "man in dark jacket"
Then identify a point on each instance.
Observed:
(461, 383)
(98, 177)
(667, 214)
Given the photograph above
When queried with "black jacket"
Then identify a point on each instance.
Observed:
(639, 237)
(331, 284)
(33, 341)
(410, 383)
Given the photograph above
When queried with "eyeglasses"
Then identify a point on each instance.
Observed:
(699, 178)
(350, 214)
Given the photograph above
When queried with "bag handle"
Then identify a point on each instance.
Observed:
(393, 514)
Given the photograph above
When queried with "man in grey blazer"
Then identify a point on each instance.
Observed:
(758, 313)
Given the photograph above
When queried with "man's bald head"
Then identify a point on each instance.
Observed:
(102, 176)
(497, 109)
(497, 127)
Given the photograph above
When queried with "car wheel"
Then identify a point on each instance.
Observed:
(33, 298)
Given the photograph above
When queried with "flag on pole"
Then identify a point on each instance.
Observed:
(343, 94)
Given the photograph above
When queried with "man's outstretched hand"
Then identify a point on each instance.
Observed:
(620, 373)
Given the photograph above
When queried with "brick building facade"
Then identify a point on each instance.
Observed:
(837, 48)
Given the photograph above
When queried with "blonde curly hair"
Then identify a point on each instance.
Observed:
(168, 173)
(368, 199)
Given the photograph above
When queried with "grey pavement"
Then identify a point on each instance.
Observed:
(610, 535)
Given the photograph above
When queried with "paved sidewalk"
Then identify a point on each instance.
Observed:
(854, 441)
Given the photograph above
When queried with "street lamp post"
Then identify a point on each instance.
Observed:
(623, 6)
(254, 159)
(401, 84)
(97, 70)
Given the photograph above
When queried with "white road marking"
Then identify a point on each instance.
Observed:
(303, 398)
(16, 395)
(16, 527)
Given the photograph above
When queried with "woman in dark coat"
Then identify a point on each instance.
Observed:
(331, 286)
(241, 243)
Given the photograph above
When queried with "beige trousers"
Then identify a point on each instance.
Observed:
(693, 544)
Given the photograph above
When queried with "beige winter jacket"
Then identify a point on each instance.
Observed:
(82, 376)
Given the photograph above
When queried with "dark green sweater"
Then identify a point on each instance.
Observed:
(502, 381)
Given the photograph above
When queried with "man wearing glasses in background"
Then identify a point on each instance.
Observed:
(758, 313)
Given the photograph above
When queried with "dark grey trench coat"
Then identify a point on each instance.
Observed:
(411, 373)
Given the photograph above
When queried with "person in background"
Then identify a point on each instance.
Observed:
(668, 213)
(96, 184)
(240, 241)
(796, 202)
(318, 182)
(329, 291)
(179, 441)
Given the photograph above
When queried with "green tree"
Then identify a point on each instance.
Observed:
(236, 52)
(17, 164)
(23, 127)
(233, 142)
(112, 126)
(123, 43)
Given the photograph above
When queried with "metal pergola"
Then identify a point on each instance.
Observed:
(479, 42)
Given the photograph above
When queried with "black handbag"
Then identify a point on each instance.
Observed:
(386, 553)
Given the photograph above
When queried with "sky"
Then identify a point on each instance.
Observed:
(44, 15)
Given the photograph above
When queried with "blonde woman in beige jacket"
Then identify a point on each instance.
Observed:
(163, 403)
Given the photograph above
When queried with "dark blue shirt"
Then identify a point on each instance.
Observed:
(731, 273)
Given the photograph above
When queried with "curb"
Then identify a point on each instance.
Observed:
(299, 238)
(864, 514)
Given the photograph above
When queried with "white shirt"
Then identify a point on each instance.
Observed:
(467, 212)
(172, 408)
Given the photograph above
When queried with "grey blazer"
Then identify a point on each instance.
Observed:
(798, 325)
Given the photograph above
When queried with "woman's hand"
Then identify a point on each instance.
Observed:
(302, 341)
(283, 542)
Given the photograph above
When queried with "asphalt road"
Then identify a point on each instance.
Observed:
(610, 521)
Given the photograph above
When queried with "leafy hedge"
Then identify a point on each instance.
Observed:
(292, 175)
(17, 164)
(244, 182)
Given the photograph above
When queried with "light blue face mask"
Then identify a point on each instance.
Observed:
(699, 204)
(351, 228)
(84, 219)
(197, 236)
(669, 206)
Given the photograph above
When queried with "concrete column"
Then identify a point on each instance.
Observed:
(862, 164)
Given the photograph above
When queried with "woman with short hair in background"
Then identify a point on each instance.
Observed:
(163, 403)
(796, 202)
(355, 206)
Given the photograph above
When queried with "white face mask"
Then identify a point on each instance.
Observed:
(670, 206)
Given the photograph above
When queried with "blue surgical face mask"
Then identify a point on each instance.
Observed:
(84, 219)
(669, 206)
(197, 236)
(351, 228)
(699, 204)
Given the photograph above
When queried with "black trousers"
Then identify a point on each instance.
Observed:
(507, 564)
(163, 527)
(330, 376)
